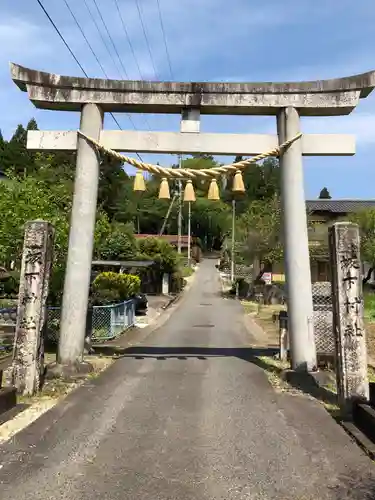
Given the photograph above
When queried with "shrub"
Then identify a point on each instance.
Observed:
(9, 284)
(196, 253)
(118, 244)
(242, 285)
(112, 287)
(163, 253)
(176, 282)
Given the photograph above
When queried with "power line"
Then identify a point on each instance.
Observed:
(145, 35)
(102, 37)
(111, 39)
(62, 38)
(128, 38)
(165, 38)
(78, 63)
(109, 52)
(92, 50)
(84, 36)
(132, 50)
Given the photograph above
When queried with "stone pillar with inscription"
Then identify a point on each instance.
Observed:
(348, 325)
(28, 352)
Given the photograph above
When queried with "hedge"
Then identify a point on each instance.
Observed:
(112, 287)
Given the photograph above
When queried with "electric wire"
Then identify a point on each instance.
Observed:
(77, 61)
(165, 39)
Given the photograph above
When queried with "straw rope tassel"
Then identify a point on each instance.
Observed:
(213, 191)
(139, 182)
(238, 185)
(164, 193)
(189, 194)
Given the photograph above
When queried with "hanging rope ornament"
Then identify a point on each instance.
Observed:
(139, 182)
(213, 191)
(238, 185)
(184, 173)
(189, 194)
(164, 193)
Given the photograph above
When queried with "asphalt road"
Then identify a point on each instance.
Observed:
(186, 415)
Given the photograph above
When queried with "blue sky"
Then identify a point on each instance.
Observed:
(208, 40)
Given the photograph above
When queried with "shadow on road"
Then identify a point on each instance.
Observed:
(245, 353)
(302, 382)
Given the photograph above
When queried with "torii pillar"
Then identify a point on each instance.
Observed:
(286, 101)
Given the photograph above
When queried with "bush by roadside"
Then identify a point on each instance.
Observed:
(110, 287)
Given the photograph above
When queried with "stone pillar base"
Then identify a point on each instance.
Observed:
(8, 399)
(309, 382)
(68, 372)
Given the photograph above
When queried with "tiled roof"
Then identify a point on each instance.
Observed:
(338, 206)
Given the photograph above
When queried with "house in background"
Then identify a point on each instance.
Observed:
(322, 213)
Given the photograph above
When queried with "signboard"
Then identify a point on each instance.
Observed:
(267, 278)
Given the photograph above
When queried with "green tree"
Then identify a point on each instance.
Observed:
(366, 222)
(210, 221)
(259, 232)
(15, 158)
(112, 180)
(117, 242)
(160, 251)
(30, 198)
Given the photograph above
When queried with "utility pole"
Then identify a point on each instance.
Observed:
(189, 232)
(233, 239)
(167, 216)
(179, 207)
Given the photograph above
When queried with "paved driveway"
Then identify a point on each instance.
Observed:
(186, 415)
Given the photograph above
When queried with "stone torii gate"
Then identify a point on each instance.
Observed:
(287, 101)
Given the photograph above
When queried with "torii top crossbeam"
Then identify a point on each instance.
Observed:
(338, 96)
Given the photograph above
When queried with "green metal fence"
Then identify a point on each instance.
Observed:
(103, 322)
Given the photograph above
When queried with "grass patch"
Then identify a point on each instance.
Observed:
(187, 271)
(369, 302)
(58, 388)
(8, 303)
(250, 307)
(265, 317)
(326, 394)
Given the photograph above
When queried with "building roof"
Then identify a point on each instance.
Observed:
(339, 206)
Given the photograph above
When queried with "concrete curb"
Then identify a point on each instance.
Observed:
(360, 438)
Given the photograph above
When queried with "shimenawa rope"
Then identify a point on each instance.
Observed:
(188, 172)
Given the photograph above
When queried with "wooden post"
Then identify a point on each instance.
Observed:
(283, 335)
(348, 325)
(28, 352)
(165, 284)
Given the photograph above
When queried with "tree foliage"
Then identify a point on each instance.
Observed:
(109, 287)
(161, 252)
(259, 231)
(366, 222)
(41, 186)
